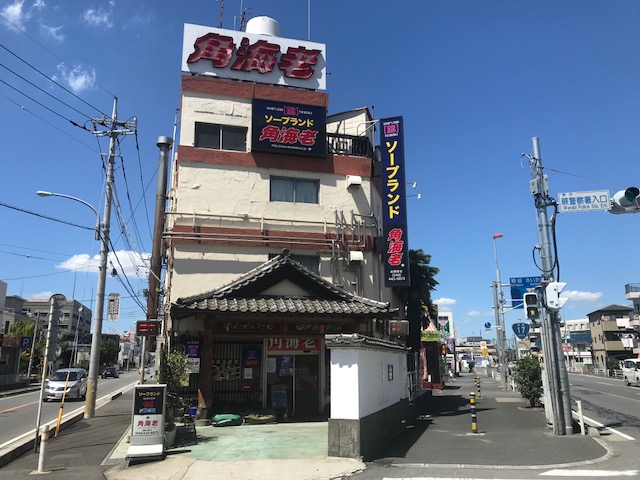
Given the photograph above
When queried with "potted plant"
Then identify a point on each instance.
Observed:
(172, 373)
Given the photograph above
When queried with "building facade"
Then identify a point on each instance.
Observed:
(611, 330)
(274, 227)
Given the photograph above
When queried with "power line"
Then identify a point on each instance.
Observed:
(44, 91)
(50, 79)
(583, 177)
(45, 107)
(22, 107)
(2, 204)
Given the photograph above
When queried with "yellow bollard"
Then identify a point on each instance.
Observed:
(474, 418)
(478, 385)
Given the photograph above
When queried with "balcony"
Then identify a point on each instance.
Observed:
(632, 291)
(349, 145)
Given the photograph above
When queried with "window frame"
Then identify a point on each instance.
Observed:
(295, 189)
(232, 131)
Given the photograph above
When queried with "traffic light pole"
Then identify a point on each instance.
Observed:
(556, 371)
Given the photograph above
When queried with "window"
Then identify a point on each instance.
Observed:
(221, 137)
(295, 190)
(310, 262)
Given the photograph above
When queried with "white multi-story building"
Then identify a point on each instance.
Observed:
(276, 228)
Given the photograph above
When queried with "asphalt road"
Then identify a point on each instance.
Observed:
(608, 401)
(18, 413)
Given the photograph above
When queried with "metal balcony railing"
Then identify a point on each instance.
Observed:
(340, 144)
(632, 287)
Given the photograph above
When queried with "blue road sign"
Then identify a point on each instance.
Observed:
(521, 330)
(520, 286)
(487, 325)
(25, 342)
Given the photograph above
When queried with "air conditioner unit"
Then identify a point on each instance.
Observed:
(356, 256)
(354, 181)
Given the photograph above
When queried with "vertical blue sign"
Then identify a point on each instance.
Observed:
(394, 205)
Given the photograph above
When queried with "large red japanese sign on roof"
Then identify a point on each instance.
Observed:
(253, 57)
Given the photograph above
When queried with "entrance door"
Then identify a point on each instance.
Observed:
(306, 381)
(298, 375)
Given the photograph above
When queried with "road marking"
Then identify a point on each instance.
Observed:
(607, 393)
(591, 473)
(600, 425)
(17, 407)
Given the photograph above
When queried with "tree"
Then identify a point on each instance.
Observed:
(25, 328)
(173, 372)
(109, 350)
(528, 378)
(418, 295)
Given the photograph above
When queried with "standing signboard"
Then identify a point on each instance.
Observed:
(394, 204)
(147, 421)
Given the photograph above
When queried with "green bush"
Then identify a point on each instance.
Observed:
(528, 378)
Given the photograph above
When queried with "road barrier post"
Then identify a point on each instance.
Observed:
(44, 436)
(474, 418)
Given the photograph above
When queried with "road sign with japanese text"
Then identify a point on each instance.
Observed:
(584, 201)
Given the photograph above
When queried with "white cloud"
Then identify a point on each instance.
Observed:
(53, 32)
(45, 294)
(443, 301)
(478, 313)
(133, 264)
(99, 17)
(15, 13)
(18, 15)
(581, 296)
(79, 78)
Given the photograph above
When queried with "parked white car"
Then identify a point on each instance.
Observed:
(75, 381)
(631, 371)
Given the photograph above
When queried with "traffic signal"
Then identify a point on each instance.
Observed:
(626, 201)
(443, 349)
(531, 306)
(554, 302)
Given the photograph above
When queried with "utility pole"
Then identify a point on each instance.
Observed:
(554, 367)
(155, 272)
(114, 130)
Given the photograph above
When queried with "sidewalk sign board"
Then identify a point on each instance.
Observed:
(147, 421)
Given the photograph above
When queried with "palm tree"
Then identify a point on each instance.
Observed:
(418, 295)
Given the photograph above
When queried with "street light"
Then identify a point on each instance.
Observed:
(96, 332)
(498, 301)
(43, 193)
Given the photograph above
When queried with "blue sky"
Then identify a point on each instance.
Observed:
(474, 81)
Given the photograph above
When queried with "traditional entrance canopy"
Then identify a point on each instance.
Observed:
(281, 286)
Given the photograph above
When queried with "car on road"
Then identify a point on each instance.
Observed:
(70, 382)
(110, 372)
(631, 371)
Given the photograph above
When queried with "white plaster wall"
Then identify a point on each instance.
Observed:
(360, 384)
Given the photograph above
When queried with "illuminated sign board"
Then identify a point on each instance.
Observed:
(147, 328)
(289, 128)
(253, 57)
(394, 205)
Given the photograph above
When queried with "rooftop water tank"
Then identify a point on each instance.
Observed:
(263, 26)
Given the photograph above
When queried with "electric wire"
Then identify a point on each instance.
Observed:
(44, 91)
(144, 190)
(49, 78)
(23, 210)
(45, 107)
(22, 107)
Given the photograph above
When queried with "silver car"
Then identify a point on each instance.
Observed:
(76, 384)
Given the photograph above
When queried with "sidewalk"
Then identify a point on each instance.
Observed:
(508, 434)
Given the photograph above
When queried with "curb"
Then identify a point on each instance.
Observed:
(26, 442)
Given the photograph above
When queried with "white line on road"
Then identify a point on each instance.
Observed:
(591, 473)
(591, 421)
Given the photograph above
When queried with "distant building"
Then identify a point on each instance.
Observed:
(611, 330)
(576, 343)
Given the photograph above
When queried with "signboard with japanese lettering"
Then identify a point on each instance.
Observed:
(292, 344)
(394, 214)
(289, 128)
(253, 57)
(520, 286)
(584, 201)
(147, 423)
(113, 310)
